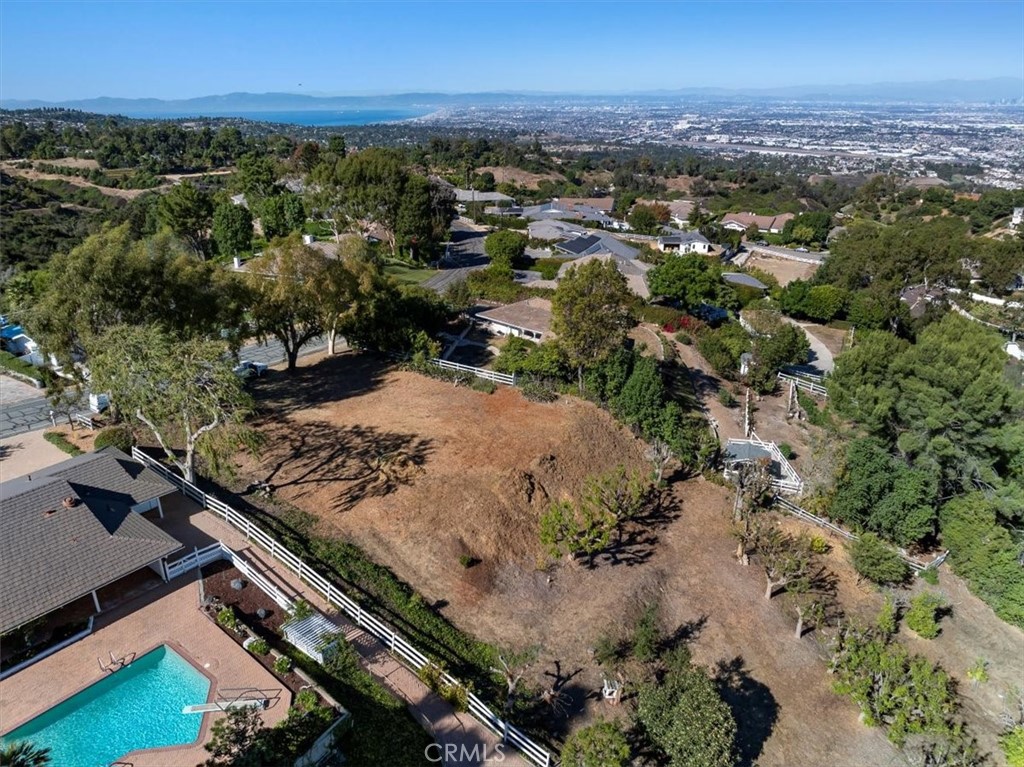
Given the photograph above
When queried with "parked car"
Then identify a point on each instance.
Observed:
(802, 250)
(248, 369)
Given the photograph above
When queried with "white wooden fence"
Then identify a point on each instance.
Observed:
(805, 383)
(796, 511)
(361, 616)
(488, 375)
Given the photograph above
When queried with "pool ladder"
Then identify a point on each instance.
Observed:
(116, 664)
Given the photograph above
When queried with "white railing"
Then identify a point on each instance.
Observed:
(487, 375)
(217, 551)
(49, 650)
(363, 617)
(83, 419)
(807, 384)
(796, 511)
(194, 559)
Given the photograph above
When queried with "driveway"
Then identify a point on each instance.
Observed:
(821, 358)
(27, 453)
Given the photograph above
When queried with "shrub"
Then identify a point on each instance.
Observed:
(283, 665)
(431, 676)
(226, 618)
(301, 610)
(482, 384)
(786, 450)
(1013, 746)
(875, 560)
(535, 391)
(684, 338)
(58, 440)
(922, 617)
(599, 745)
(663, 316)
(306, 700)
(114, 436)
(818, 544)
(467, 561)
(888, 617)
(258, 647)
(930, 576)
(12, 363)
(978, 673)
(726, 398)
(456, 695)
(647, 635)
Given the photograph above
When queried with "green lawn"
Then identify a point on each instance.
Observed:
(406, 275)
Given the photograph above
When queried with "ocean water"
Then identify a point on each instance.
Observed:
(321, 118)
(134, 708)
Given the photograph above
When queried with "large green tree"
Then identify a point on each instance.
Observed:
(184, 392)
(111, 279)
(232, 228)
(188, 211)
(685, 717)
(590, 313)
(285, 283)
(690, 279)
(281, 214)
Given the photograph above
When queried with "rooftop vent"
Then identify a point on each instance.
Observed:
(70, 502)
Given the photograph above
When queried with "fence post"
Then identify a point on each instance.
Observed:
(248, 528)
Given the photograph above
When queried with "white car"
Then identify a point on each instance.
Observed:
(249, 369)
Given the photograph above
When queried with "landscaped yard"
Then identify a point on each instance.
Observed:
(407, 275)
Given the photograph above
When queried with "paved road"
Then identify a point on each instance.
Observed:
(465, 254)
(31, 413)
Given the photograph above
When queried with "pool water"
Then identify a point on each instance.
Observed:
(136, 707)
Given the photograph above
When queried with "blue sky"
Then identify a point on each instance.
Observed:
(56, 50)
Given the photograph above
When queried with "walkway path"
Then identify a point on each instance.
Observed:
(475, 745)
(821, 358)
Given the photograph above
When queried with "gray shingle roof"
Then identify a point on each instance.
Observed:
(532, 314)
(51, 555)
(738, 278)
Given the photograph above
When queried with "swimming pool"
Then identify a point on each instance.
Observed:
(136, 707)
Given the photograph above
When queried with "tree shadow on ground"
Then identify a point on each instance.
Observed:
(753, 706)
(365, 461)
(639, 538)
(471, 354)
(332, 379)
(684, 634)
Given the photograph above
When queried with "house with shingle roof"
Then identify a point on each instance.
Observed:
(684, 242)
(526, 319)
(73, 528)
(740, 222)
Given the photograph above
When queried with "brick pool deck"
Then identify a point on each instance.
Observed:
(170, 614)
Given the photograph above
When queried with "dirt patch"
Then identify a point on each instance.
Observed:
(833, 338)
(420, 473)
(782, 269)
(506, 173)
(35, 175)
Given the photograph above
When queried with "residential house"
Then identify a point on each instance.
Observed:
(740, 222)
(554, 230)
(679, 210)
(525, 319)
(596, 242)
(1017, 218)
(633, 270)
(684, 242)
(73, 528)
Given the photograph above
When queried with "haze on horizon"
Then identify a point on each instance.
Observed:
(63, 50)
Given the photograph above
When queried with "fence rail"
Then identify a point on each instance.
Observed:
(796, 511)
(808, 384)
(361, 616)
(488, 375)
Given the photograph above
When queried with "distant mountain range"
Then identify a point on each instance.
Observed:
(964, 91)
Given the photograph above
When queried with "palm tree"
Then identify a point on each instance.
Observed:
(24, 753)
